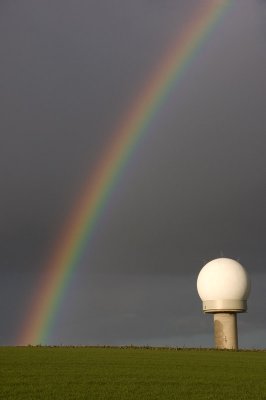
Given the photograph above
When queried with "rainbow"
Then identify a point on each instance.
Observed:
(91, 203)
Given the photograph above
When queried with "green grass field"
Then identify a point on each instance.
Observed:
(130, 373)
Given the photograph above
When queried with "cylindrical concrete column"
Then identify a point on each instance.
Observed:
(225, 331)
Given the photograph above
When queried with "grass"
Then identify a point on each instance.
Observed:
(130, 373)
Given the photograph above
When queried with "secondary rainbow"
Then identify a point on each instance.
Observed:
(91, 203)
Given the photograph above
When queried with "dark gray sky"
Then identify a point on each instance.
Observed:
(194, 190)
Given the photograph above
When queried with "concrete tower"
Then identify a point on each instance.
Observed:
(223, 286)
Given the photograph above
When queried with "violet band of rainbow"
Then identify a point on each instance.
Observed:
(89, 207)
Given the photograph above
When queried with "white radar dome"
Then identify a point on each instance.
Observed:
(223, 285)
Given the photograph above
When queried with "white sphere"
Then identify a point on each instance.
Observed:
(223, 280)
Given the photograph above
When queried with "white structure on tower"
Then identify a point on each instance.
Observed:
(223, 286)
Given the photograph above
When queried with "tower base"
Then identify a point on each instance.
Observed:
(225, 331)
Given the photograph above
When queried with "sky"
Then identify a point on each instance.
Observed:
(194, 190)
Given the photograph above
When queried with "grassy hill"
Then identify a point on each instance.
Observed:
(130, 373)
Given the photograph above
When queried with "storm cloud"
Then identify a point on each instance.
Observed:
(193, 190)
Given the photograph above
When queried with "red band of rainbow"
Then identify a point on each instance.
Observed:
(90, 205)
